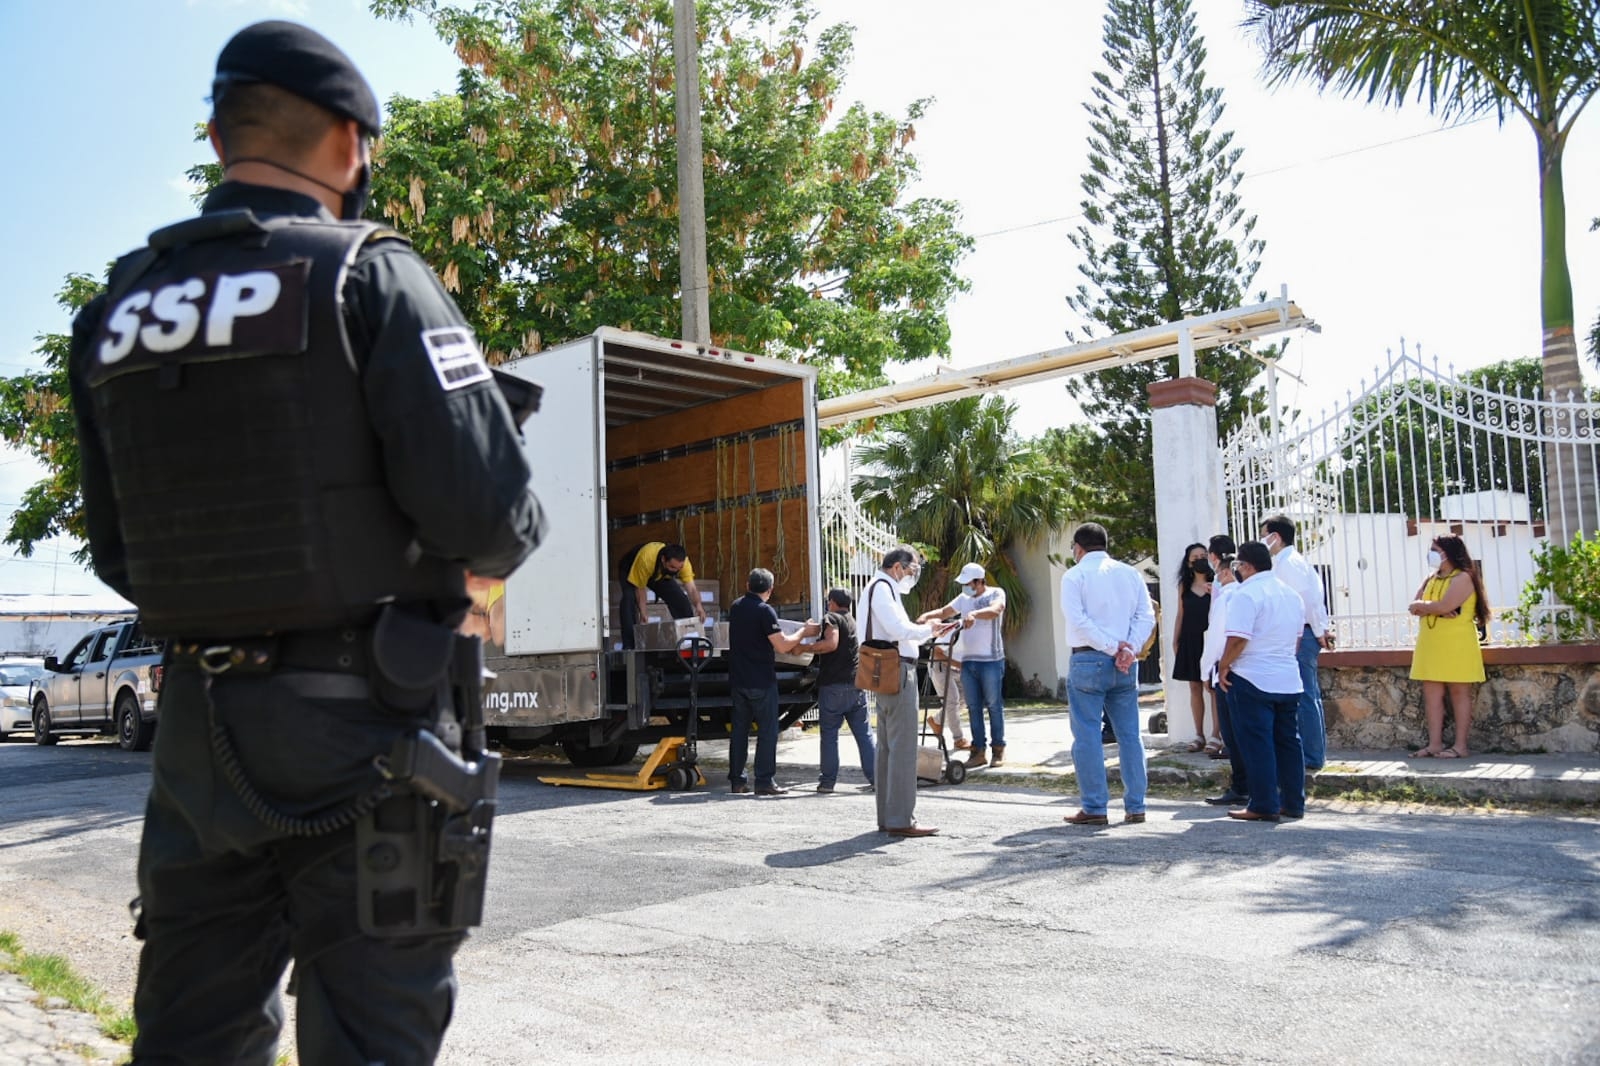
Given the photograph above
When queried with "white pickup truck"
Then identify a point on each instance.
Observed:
(106, 684)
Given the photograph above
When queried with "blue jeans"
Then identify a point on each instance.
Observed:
(1312, 736)
(1265, 725)
(761, 705)
(839, 705)
(981, 682)
(1096, 687)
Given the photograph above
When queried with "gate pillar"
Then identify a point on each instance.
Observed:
(1189, 508)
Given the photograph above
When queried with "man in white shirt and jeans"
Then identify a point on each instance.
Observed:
(1277, 533)
(881, 616)
(1259, 672)
(1108, 615)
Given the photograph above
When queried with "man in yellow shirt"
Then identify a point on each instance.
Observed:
(663, 569)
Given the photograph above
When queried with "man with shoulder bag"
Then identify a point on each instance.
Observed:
(885, 628)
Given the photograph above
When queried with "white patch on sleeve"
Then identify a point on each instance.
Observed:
(455, 357)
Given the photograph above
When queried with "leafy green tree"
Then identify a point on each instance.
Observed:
(36, 417)
(545, 190)
(1164, 237)
(957, 480)
(544, 193)
(1594, 333)
(1536, 58)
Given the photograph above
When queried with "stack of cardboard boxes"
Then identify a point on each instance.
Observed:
(662, 634)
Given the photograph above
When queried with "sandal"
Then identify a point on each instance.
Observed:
(1213, 748)
(1424, 753)
(1220, 753)
(1450, 753)
(1196, 746)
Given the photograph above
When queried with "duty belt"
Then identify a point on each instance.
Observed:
(340, 651)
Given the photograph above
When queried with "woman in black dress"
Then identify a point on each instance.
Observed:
(1189, 636)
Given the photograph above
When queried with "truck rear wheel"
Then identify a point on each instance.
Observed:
(580, 753)
(133, 732)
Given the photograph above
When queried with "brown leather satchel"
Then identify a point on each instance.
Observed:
(878, 667)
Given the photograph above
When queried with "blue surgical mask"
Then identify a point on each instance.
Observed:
(970, 589)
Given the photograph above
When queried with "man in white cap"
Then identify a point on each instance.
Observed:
(983, 660)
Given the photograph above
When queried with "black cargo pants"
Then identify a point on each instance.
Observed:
(227, 902)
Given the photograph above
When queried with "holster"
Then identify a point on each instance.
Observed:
(423, 856)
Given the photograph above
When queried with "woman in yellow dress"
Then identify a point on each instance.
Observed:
(1452, 610)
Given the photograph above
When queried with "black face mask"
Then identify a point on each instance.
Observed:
(1202, 568)
(353, 203)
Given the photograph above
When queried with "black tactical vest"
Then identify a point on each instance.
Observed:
(249, 482)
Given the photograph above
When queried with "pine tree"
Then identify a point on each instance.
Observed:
(1164, 237)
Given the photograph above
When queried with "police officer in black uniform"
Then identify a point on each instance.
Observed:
(292, 455)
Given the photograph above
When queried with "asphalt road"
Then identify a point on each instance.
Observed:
(706, 928)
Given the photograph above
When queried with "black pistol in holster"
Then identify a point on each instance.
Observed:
(423, 855)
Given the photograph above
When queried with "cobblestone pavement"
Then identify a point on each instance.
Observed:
(47, 1032)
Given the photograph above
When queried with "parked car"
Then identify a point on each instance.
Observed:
(16, 694)
(106, 684)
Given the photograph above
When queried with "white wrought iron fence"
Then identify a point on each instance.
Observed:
(853, 545)
(1418, 454)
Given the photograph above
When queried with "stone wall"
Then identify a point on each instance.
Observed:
(1540, 699)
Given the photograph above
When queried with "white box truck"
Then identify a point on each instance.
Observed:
(642, 439)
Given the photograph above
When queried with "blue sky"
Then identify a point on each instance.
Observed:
(1381, 224)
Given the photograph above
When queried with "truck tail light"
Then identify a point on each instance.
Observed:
(155, 678)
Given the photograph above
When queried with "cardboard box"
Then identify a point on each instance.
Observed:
(663, 636)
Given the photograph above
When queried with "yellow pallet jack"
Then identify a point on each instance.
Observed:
(673, 762)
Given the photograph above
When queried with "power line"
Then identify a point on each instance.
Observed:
(1254, 174)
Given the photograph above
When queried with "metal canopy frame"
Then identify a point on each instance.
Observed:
(1139, 346)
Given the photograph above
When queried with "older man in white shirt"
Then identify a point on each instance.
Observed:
(1259, 672)
(881, 616)
(1108, 616)
(1277, 533)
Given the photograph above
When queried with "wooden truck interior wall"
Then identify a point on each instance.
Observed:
(724, 479)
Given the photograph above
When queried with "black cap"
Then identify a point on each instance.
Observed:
(301, 61)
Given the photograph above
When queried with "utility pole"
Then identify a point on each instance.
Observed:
(691, 179)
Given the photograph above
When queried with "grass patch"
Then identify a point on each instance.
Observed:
(1420, 796)
(53, 976)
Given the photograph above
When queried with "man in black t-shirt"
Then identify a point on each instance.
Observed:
(839, 702)
(754, 641)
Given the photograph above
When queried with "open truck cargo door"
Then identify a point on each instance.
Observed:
(554, 604)
(642, 439)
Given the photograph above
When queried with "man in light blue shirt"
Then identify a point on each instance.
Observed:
(1277, 533)
(1259, 672)
(1108, 618)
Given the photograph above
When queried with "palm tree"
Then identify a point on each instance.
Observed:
(956, 480)
(1536, 58)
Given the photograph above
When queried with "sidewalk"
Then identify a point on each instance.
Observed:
(1039, 743)
(49, 1033)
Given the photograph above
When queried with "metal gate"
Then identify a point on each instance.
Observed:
(1419, 453)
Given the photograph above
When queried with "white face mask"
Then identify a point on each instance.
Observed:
(907, 583)
(1273, 542)
(1434, 558)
